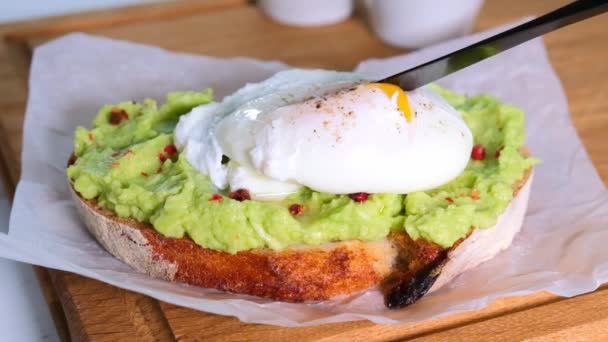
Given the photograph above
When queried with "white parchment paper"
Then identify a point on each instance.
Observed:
(561, 248)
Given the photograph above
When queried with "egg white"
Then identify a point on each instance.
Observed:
(328, 131)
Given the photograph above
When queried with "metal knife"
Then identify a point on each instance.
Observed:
(435, 69)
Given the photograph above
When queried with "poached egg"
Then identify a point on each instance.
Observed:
(329, 131)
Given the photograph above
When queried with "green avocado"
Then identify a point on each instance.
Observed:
(128, 164)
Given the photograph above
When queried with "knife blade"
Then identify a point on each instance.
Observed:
(437, 68)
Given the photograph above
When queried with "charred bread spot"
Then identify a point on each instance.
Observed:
(408, 287)
(417, 265)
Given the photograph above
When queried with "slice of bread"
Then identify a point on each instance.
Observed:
(405, 269)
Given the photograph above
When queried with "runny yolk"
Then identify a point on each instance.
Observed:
(402, 101)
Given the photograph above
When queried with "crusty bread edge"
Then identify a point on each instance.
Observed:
(484, 244)
(119, 237)
(297, 274)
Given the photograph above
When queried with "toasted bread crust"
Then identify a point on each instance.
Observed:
(407, 268)
(292, 275)
(295, 275)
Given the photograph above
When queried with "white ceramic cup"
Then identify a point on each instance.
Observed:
(417, 23)
(307, 13)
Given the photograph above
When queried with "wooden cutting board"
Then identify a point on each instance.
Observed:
(86, 309)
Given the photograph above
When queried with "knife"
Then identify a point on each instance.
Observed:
(435, 69)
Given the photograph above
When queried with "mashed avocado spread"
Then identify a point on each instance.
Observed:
(127, 162)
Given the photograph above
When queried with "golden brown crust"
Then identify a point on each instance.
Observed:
(293, 275)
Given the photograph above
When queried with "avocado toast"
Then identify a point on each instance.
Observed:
(147, 206)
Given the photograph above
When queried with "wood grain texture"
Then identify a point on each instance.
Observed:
(94, 310)
(100, 312)
(555, 321)
(47, 27)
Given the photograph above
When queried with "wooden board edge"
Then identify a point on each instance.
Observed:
(556, 320)
(70, 309)
(53, 301)
(19, 55)
(50, 26)
(9, 176)
(143, 313)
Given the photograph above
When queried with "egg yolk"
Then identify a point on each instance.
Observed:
(402, 101)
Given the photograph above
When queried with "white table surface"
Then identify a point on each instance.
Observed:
(24, 314)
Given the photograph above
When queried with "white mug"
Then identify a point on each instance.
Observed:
(307, 13)
(417, 23)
